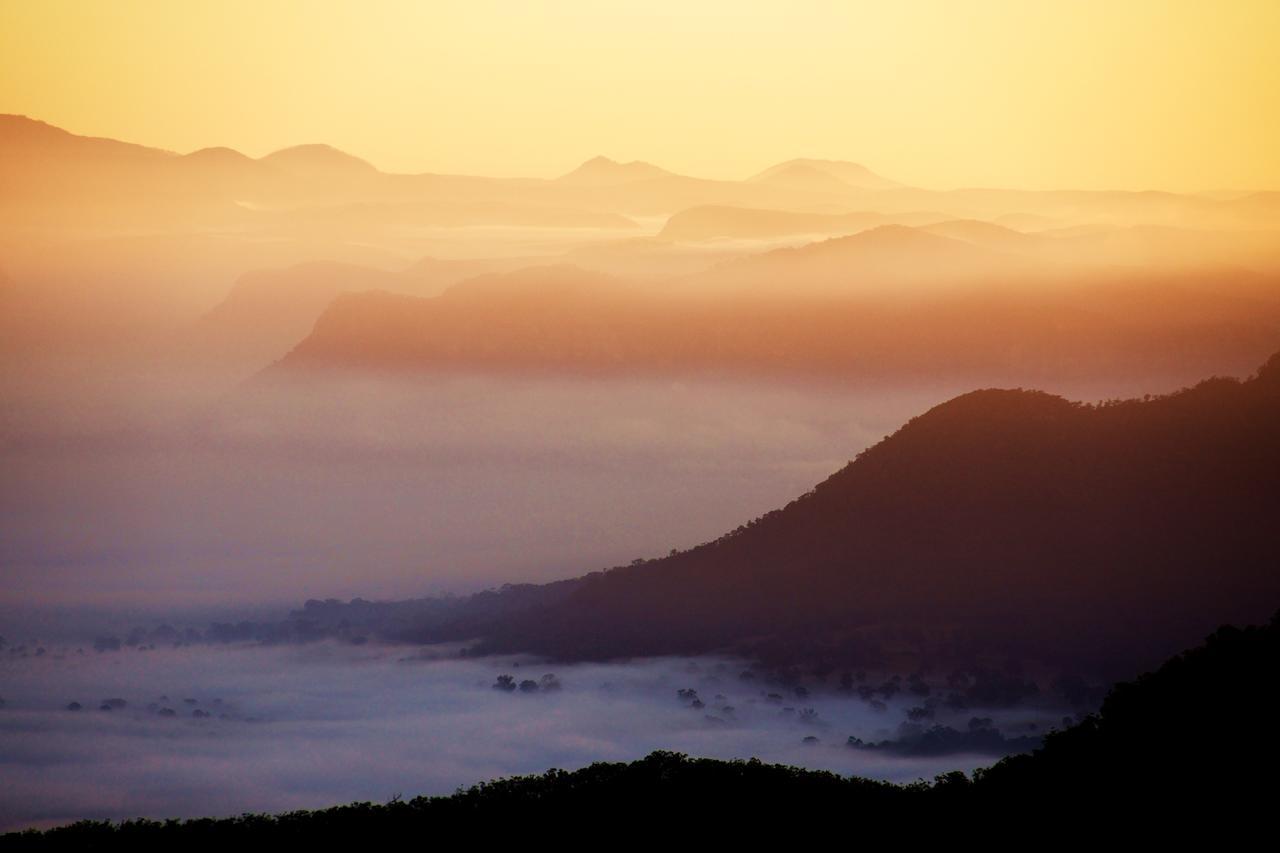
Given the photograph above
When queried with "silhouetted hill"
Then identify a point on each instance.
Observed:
(1199, 730)
(1098, 536)
(1195, 740)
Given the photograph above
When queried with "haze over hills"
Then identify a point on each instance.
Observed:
(421, 315)
(892, 260)
(268, 311)
(843, 310)
(986, 234)
(1084, 206)
(56, 179)
(152, 281)
(75, 207)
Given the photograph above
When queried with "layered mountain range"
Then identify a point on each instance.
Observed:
(54, 178)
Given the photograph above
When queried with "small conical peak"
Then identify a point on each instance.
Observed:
(602, 170)
(809, 170)
(218, 154)
(317, 158)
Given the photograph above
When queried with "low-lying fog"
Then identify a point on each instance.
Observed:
(216, 730)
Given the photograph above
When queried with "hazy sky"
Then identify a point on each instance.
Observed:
(1061, 93)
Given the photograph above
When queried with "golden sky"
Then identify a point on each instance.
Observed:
(1134, 94)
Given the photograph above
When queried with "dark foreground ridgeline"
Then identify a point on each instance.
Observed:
(1193, 742)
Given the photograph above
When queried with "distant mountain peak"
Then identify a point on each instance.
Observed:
(218, 154)
(804, 176)
(318, 159)
(601, 171)
(807, 173)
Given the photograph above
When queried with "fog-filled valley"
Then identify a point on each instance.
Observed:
(216, 730)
